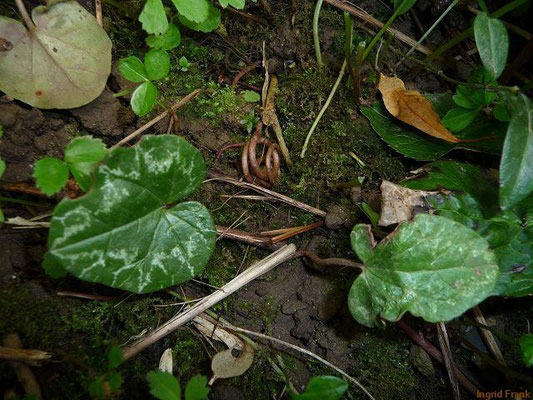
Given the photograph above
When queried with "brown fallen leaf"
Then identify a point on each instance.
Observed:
(412, 108)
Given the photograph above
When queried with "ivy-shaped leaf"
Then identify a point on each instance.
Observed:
(63, 63)
(153, 17)
(433, 267)
(124, 233)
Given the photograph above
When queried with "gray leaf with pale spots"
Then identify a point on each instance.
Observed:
(433, 267)
(122, 232)
(63, 63)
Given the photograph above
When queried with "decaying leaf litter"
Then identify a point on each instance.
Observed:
(325, 181)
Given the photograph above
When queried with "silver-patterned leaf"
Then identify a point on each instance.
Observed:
(123, 233)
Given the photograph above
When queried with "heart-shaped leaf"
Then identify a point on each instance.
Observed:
(123, 233)
(63, 63)
(433, 267)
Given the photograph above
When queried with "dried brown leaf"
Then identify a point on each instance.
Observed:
(411, 107)
(230, 363)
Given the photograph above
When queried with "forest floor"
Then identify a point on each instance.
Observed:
(296, 302)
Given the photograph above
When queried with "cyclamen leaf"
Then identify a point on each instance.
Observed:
(239, 4)
(516, 168)
(164, 386)
(143, 98)
(194, 10)
(492, 42)
(64, 63)
(153, 17)
(323, 388)
(197, 388)
(210, 24)
(122, 234)
(132, 69)
(50, 175)
(157, 64)
(509, 235)
(420, 269)
(458, 119)
(166, 41)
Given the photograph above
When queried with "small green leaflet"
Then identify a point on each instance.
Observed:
(153, 17)
(208, 25)
(501, 113)
(50, 175)
(458, 119)
(516, 166)
(197, 388)
(526, 346)
(239, 4)
(194, 10)
(184, 64)
(157, 64)
(323, 388)
(492, 42)
(81, 155)
(164, 386)
(419, 268)
(123, 233)
(2, 167)
(114, 357)
(166, 41)
(250, 96)
(132, 69)
(143, 98)
(115, 381)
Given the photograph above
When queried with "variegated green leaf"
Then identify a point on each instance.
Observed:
(124, 233)
(433, 267)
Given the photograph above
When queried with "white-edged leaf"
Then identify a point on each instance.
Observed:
(143, 98)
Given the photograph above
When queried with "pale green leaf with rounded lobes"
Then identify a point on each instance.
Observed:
(193, 10)
(210, 24)
(516, 165)
(164, 386)
(65, 63)
(238, 4)
(157, 64)
(122, 233)
(143, 98)
(166, 41)
(153, 17)
(433, 267)
(492, 42)
(132, 69)
(50, 175)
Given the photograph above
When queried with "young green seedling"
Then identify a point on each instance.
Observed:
(164, 386)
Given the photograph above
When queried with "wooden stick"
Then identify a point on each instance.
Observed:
(373, 21)
(23, 372)
(256, 270)
(489, 337)
(17, 354)
(99, 14)
(448, 359)
(215, 176)
(245, 237)
(176, 106)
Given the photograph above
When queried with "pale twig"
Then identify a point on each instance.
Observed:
(99, 14)
(300, 350)
(316, 37)
(448, 359)
(489, 337)
(324, 108)
(154, 121)
(373, 21)
(256, 270)
(25, 16)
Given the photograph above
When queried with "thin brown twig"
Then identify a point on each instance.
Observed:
(215, 176)
(448, 359)
(246, 237)
(246, 15)
(227, 147)
(373, 21)
(86, 296)
(333, 261)
(25, 16)
(489, 337)
(244, 71)
(154, 121)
